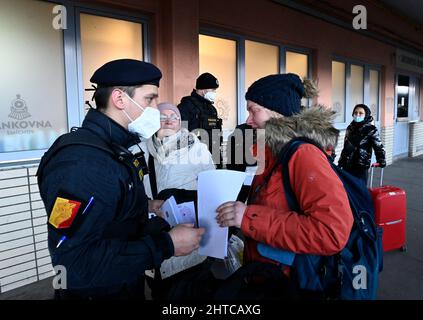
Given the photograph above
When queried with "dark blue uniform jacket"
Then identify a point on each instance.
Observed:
(109, 250)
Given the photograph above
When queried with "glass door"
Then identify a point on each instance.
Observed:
(406, 111)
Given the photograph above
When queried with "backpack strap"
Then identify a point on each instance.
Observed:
(283, 159)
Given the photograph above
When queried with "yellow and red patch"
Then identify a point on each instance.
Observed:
(63, 213)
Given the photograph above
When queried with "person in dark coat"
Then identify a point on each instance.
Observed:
(99, 229)
(200, 116)
(238, 153)
(239, 143)
(360, 138)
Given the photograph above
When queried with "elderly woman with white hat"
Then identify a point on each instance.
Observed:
(178, 157)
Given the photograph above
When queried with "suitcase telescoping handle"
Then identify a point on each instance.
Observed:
(371, 174)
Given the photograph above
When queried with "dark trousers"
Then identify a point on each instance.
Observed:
(359, 173)
(195, 283)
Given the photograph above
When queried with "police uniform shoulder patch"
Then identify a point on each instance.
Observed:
(66, 213)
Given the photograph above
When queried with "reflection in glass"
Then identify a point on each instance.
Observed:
(297, 63)
(105, 39)
(218, 56)
(260, 60)
(402, 96)
(338, 90)
(416, 111)
(374, 93)
(356, 85)
(32, 93)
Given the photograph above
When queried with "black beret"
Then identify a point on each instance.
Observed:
(126, 72)
(206, 81)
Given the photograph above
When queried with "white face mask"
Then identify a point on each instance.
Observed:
(147, 124)
(211, 96)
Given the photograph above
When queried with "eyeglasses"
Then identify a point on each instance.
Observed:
(170, 118)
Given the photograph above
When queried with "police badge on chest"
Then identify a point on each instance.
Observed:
(140, 164)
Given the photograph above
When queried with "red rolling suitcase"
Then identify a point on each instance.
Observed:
(390, 213)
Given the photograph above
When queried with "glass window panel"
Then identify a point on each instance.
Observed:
(374, 93)
(338, 90)
(32, 95)
(403, 92)
(356, 86)
(297, 63)
(260, 60)
(416, 111)
(104, 39)
(218, 56)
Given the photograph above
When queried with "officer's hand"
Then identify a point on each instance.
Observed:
(230, 214)
(154, 225)
(154, 206)
(185, 238)
(382, 164)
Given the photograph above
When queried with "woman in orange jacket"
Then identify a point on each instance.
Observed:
(323, 228)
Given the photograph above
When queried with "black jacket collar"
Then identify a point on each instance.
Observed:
(195, 95)
(109, 129)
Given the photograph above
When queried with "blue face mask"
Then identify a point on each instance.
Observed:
(358, 119)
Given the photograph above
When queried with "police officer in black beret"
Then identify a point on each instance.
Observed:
(98, 227)
(200, 114)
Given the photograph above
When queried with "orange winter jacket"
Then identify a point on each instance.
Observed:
(326, 222)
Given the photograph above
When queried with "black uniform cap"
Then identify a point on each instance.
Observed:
(206, 81)
(126, 72)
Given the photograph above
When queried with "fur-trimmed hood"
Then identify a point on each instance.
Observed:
(314, 123)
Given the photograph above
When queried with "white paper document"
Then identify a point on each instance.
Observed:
(214, 188)
(186, 213)
(170, 210)
(178, 213)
